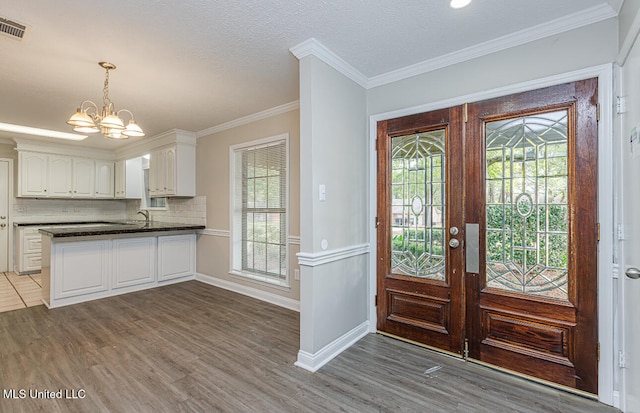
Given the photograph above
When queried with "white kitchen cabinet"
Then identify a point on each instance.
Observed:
(84, 171)
(104, 184)
(28, 250)
(129, 179)
(32, 174)
(134, 261)
(60, 176)
(79, 269)
(172, 171)
(86, 267)
(45, 175)
(176, 256)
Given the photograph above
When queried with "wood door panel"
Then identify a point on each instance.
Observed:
(419, 310)
(524, 335)
(531, 366)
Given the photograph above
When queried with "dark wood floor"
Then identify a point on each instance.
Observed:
(192, 347)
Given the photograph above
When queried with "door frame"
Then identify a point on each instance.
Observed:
(10, 200)
(607, 271)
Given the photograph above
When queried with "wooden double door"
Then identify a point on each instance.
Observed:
(487, 232)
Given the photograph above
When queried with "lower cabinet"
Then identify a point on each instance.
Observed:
(134, 261)
(85, 266)
(84, 270)
(27, 250)
(174, 254)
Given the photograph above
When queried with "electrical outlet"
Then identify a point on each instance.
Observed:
(296, 274)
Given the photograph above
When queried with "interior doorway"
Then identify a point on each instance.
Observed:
(487, 236)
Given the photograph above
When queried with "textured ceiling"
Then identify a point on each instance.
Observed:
(196, 64)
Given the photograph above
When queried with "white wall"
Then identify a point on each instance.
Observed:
(584, 47)
(333, 232)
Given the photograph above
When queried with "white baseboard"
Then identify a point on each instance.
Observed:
(250, 291)
(313, 362)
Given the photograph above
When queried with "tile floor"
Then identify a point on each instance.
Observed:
(19, 291)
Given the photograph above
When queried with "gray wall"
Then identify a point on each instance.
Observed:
(333, 144)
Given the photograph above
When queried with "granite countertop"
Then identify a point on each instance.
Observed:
(48, 224)
(77, 229)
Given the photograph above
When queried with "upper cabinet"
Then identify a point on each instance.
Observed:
(58, 176)
(172, 171)
(56, 171)
(129, 180)
(104, 182)
(32, 174)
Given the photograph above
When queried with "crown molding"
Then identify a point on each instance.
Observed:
(143, 146)
(287, 107)
(317, 49)
(553, 27)
(60, 148)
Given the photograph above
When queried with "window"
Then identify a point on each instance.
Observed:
(259, 180)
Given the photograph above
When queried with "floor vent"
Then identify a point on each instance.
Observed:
(12, 29)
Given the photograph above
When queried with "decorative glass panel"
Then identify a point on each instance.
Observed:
(418, 205)
(527, 204)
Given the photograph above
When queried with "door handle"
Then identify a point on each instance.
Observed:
(454, 243)
(472, 253)
(633, 273)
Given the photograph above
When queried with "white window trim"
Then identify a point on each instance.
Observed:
(235, 239)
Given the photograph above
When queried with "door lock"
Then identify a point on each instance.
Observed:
(633, 273)
(454, 243)
(453, 231)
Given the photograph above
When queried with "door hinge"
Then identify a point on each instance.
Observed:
(376, 145)
(597, 112)
(465, 112)
(466, 348)
(622, 363)
(621, 105)
(598, 351)
(598, 229)
(377, 222)
(375, 300)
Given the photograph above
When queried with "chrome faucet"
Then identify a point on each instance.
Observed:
(144, 213)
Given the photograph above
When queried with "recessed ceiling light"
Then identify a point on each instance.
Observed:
(27, 130)
(458, 4)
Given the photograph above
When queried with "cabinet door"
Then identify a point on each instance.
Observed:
(120, 179)
(60, 176)
(176, 256)
(104, 179)
(170, 171)
(33, 174)
(134, 261)
(80, 268)
(157, 174)
(83, 177)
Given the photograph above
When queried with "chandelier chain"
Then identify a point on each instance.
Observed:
(105, 92)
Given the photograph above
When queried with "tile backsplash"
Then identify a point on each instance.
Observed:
(67, 210)
(179, 210)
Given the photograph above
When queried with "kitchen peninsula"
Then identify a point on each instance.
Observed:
(89, 261)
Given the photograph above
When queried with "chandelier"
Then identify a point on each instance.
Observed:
(88, 119)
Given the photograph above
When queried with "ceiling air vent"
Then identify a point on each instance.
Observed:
(12, 29)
